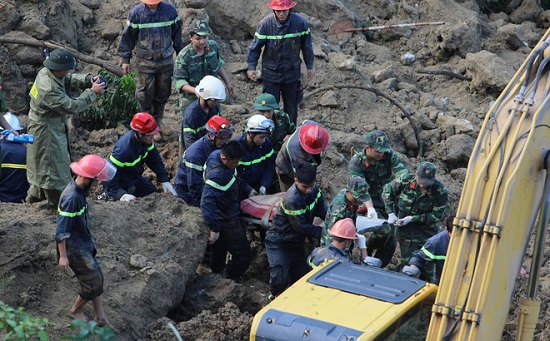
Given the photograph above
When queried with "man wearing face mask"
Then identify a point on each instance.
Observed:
(131, 152)
(282, 35)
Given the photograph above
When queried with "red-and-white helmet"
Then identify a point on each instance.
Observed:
(281, 5)
(94, 167)
(314, 138)
(144, 123)
(343, 228)
(219, 126)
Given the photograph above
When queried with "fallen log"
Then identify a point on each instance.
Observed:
(54, 45)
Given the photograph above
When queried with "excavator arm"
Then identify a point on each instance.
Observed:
(503, 197)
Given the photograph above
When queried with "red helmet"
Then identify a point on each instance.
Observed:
(281, 5)
(144, 123)
(314, 138)
(94, 167)
(343, 228)
(220, 127)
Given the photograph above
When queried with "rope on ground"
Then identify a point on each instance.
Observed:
(380, 93)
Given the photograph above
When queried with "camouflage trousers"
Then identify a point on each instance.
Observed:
(154, 86)
(411, 238)
(381, 243)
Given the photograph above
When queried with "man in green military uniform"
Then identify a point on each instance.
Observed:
(267, 105)
(378, 164)
(48, 158)
(198, 59)
(415, 203)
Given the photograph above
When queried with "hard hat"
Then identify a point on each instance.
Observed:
(343, 228)
(151, 2)
(281, 5)
(259, 124)
(13, 121)
(313, 138)
(144, 123)
(211, 87)
(60, 60)
(266, 102)
(94, 167)
(219, 126)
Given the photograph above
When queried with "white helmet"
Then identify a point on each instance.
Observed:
(13, 121)
(259, 124)
(211, 87)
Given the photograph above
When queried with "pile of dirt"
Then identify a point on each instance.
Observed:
(165, 236)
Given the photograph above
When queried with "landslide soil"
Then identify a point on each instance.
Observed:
(151, 250)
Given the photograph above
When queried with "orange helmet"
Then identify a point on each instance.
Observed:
(314, 138)
(281, 5)
(219, 126)
(94, 167)
(343, 228)
(144, 123)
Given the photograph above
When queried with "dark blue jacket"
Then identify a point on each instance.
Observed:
(433, 251)
(195, 121)
(128, 156)
(13, 174)
(222, 193)
(282, 44)
(257, 166)
(292, 154)
(293, 219)
(72, 221)
(189, 177)
(156, 35)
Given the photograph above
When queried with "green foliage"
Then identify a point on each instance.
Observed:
(117, 104)
(19, 325)
(90, 331)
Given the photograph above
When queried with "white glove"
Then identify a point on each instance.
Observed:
(392, 218)
(214, 236)
(262, 190)
(168, 188)
(404, 221)
(127, 197)
(371, 213)
(252, 193)
(361, 241)
(411, 271)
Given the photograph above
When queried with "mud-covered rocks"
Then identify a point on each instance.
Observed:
(489, 72)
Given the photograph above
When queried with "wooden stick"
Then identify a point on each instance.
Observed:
(446, 73)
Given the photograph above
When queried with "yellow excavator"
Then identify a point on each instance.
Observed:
(505, 201)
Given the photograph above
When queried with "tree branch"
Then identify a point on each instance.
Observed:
(445, 73)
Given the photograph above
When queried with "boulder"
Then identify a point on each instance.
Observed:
(489, 72)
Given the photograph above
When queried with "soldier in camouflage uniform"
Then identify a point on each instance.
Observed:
(268, 106)
(378, 164)
(415, 203)
(198, 59)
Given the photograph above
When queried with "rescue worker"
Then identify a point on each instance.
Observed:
(3, 108)
(48, 158)
(345, 205)
(267, 105)
(292, 223)
(339, 249)
(305, 145)
(220, 206)
(415, 203)
(282, 35)
(257, 167)
(210, 93)
(154, 30)
(130, 153)
(432, 253)
(378, 164)
(75, 243)
(198, 59)
(13, 158)
(189, 176)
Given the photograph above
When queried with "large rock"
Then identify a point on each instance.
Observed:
(517, 36)
(460, 39)
(529, 10)
(489, 72)
(456, 150)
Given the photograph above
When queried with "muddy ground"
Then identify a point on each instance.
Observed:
(150, 250)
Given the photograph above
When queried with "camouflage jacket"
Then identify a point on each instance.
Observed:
(402, 197)
(339, 208)
(191, 67)
(376, 173)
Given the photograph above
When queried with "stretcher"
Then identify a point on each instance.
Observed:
(259, 209)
